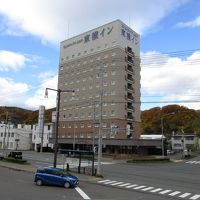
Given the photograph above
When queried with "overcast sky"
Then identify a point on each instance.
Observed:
(31, 31)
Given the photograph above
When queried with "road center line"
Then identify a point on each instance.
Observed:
(85, 196)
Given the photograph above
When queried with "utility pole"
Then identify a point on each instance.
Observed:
(59, 91)
(100, 126)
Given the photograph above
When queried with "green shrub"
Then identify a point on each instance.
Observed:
(149, 160)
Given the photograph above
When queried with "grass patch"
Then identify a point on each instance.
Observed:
(13, 160)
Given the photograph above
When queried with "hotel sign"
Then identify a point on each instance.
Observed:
(92, 36)
(105, 31)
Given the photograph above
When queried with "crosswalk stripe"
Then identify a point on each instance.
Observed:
(109, 182)
(103, 181)
(139, 187)
(156, 190)
(130, 186)
(125, 184)
(185, 195)
(174, 193)
(191, 161)
(117, 183)
(165, 191)
(195, 197)
(148, 188)
(151, 189)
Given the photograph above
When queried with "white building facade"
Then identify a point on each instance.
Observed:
(15, 138)
(37, 137)
(184, 142)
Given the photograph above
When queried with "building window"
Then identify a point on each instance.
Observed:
(105, 83)
(113, 72)
(113, 92)
(112, 113)
(113, 82)
(11, 144)
(114, 54)
(82, 125)
(104, 104)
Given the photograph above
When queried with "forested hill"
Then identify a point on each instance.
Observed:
(183, 120)
(176, 118)
(23, 116)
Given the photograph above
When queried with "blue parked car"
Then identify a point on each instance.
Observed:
(54, 176)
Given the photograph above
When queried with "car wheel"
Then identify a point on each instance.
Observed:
(39, 182)
(66, 185)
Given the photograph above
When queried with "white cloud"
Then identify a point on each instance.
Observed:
(171, 78)
(11, 60)
(38, 98)
(12, 93)
(190, 24)
(49, 19)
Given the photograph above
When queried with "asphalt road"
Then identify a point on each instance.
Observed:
(181, 179)
(181, 176)
(18, 185)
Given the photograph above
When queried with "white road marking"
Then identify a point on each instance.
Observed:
(197, 162)
(117, 183)
(103, 181)
(145, 188)
(125, 184)
(195, 197)
(139, 187)
(174, 193)
(130, 186)
(185, 195)
(85, 196)
(165, 192)
(148, 188)
(109, 182)
(192, 161)
(156, 190)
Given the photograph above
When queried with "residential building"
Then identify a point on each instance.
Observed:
(185, 141)
(103, 67)
(15, 138)
(37, 137)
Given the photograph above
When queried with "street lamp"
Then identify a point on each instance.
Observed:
(59, 91)
(162, 127)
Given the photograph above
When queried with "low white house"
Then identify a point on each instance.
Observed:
(185, 141)
(15, 138)
(37, 136)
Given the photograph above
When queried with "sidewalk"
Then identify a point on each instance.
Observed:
(32, 169)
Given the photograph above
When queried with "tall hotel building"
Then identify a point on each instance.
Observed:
(103, 67)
